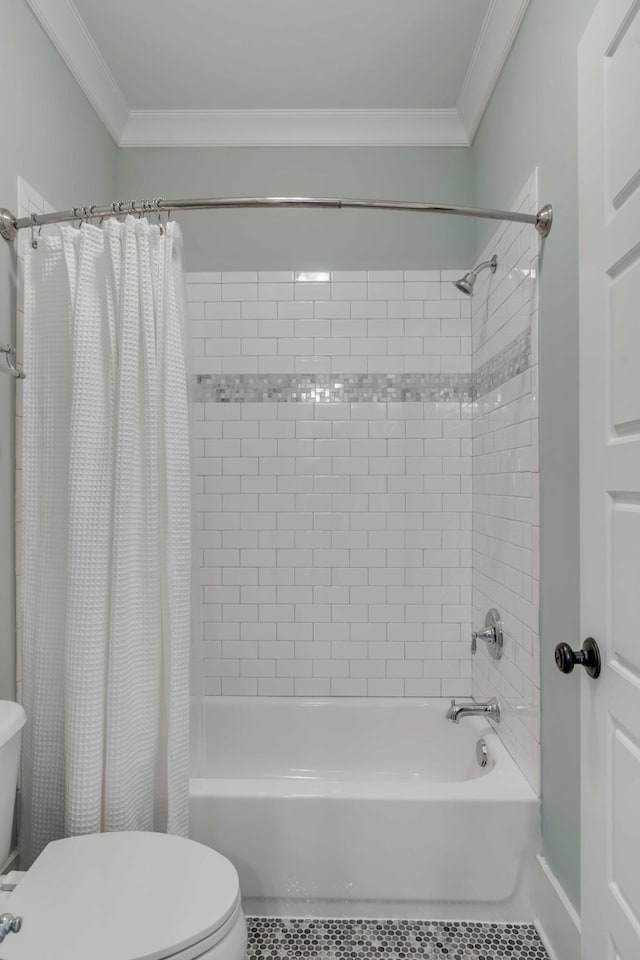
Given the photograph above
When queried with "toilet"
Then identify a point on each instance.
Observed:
(116, 896)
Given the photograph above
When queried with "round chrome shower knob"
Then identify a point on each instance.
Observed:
(492, 634)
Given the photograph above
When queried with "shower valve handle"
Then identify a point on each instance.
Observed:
(491, 633)
(488, 634)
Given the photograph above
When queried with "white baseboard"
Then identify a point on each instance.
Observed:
(556, 921)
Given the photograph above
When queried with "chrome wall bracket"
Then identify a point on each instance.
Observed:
(8, 228)
(11, 368)
(492, 634)
(544, 220)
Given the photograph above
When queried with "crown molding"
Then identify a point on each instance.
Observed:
(252, 128)
(190, 128)
(68, 33)
(499, 30)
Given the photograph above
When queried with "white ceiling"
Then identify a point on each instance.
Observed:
(286, 54)
(246, 72)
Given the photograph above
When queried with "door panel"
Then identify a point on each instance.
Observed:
(625, 607)
(625, 825)
(609, 184)
(624, 331)
(622, 66)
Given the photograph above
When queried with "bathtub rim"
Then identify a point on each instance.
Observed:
(504, 781)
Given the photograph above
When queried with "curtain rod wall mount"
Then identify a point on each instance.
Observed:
(8, 228)
(10, 224)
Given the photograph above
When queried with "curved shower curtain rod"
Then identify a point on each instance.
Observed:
(10, 224)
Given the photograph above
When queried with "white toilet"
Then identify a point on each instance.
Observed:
(116, 896)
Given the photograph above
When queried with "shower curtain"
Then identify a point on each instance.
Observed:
(106, 563)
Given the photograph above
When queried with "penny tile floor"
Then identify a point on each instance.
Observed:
(291, 939)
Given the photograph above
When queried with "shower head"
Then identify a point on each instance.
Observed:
(465, 284)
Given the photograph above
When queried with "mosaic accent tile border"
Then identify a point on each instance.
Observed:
(333, 388)
(292, 939)
(365, 387)
(508, 363)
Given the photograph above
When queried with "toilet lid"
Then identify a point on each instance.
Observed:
(121, 896)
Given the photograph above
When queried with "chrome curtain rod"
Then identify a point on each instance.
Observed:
(9, 224)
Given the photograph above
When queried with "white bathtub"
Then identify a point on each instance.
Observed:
(369, 807)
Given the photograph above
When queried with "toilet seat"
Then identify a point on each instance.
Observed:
(126, 896)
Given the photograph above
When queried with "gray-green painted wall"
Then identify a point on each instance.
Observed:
(52, 138)
(310, 239)
(531, 121)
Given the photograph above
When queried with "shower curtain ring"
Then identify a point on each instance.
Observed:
(34, 239)
(153, 207)
(158, 212)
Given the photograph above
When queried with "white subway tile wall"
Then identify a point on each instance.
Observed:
(333, 538)
(505, 486)
(337, 544)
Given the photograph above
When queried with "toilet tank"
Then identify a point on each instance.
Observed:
(12, 720)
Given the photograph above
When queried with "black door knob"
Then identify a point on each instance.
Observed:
(588, 657)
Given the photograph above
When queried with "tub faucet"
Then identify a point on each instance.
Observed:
(490, 709)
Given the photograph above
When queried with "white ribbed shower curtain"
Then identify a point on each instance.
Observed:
(106, 562)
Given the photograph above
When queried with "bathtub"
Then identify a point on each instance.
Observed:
(363, 807)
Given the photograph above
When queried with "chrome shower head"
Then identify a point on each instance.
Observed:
(465, 284)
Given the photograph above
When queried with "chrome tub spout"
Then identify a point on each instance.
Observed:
(489, 709)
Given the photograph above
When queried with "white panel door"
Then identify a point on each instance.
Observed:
(609, 160)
